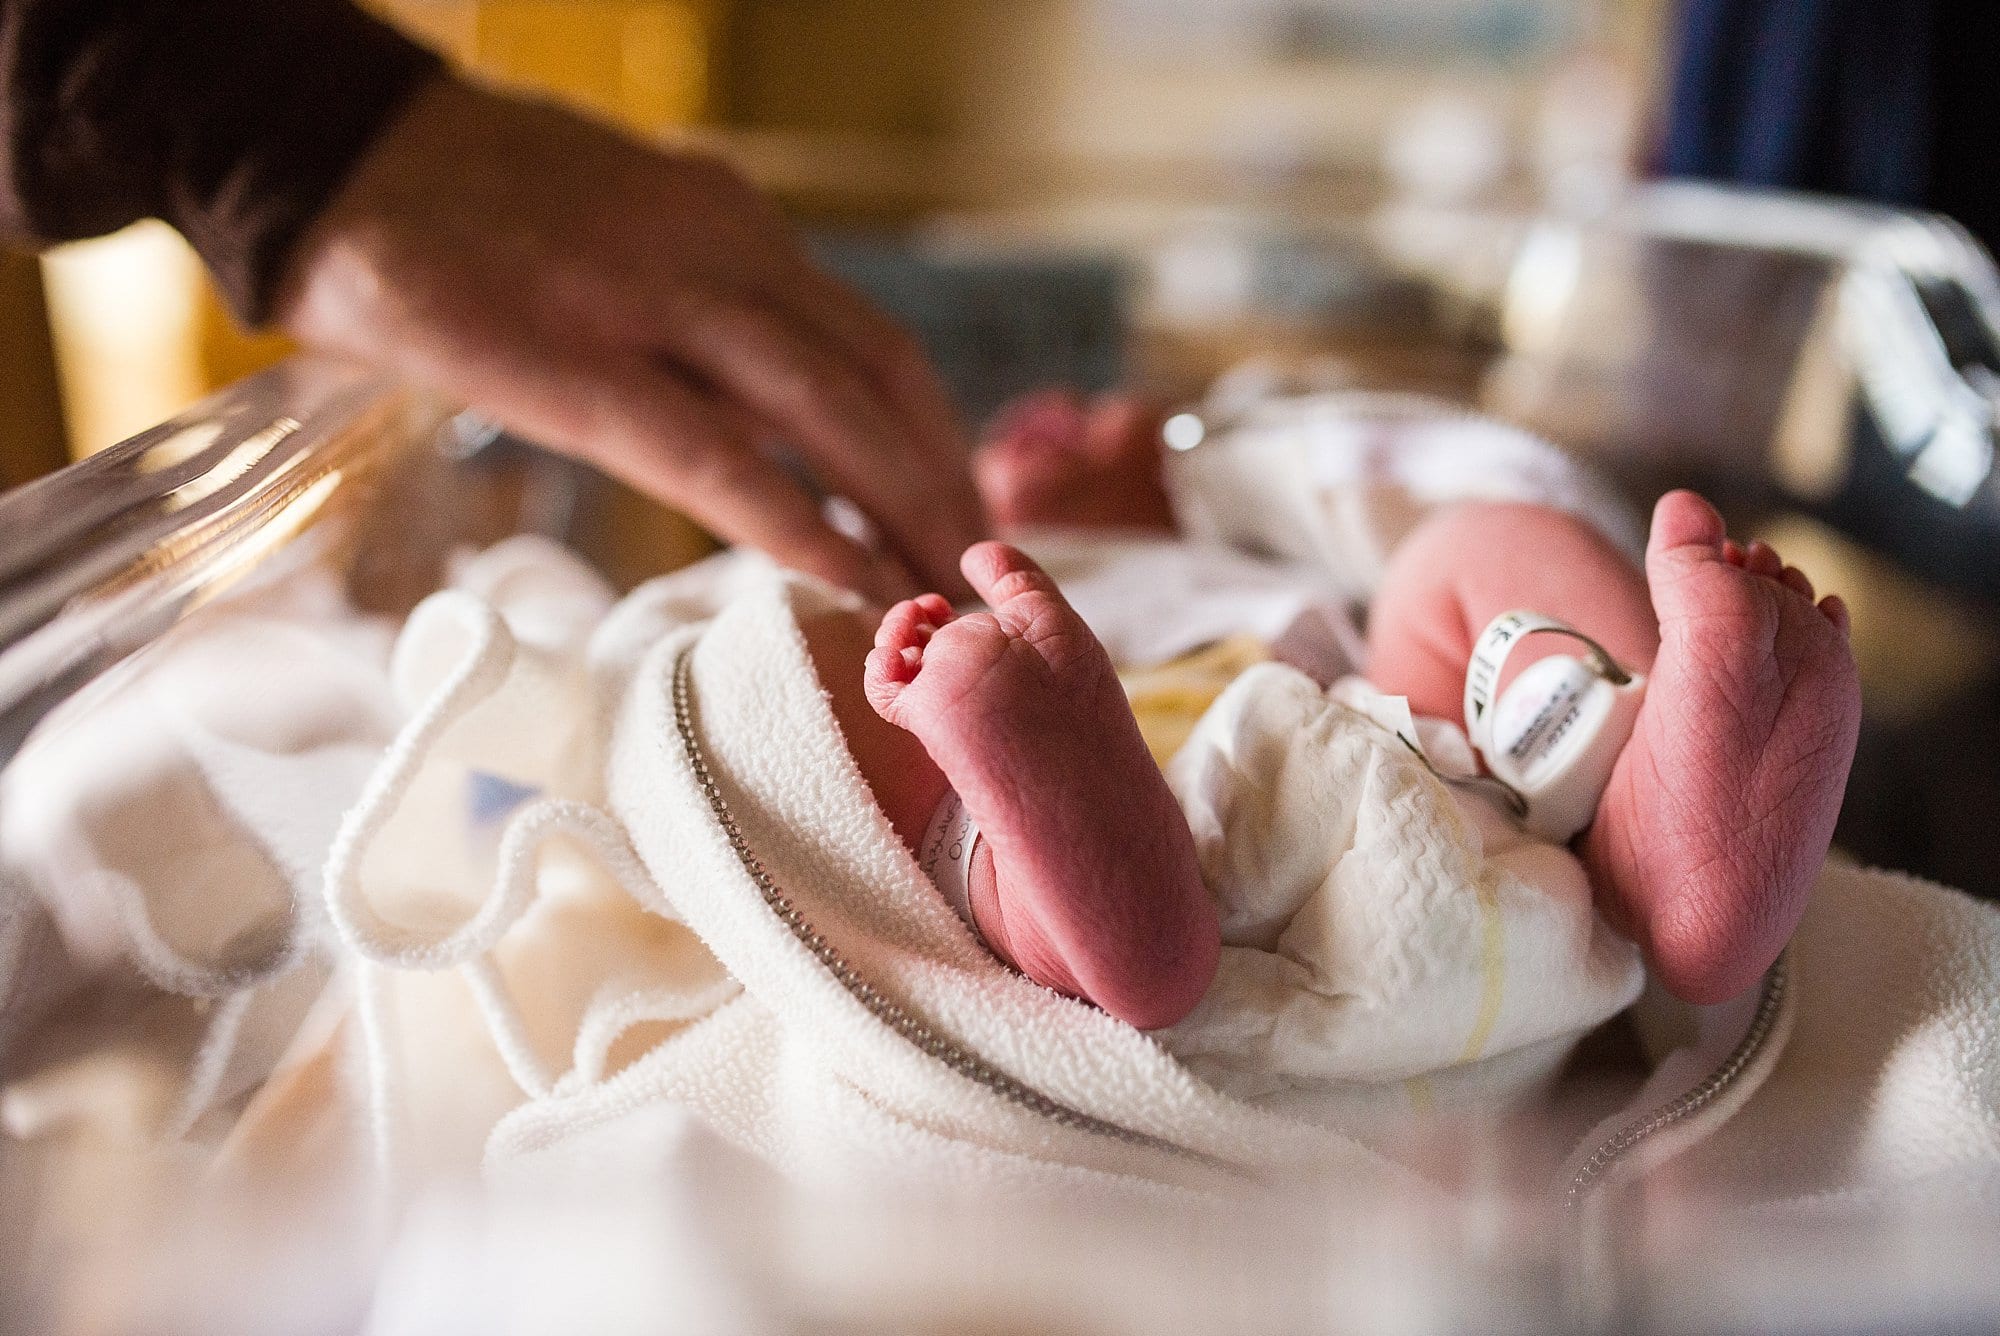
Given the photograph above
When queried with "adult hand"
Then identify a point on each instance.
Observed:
(644, 310)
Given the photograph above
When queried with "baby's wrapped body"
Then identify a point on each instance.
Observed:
(1378, 927)
(621, 905)
(604, 944)
(1368, 927)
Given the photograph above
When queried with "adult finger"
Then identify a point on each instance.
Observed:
(892, 358)
(901, 372)
(824, 406)
(837, 512)
(683, 446)
(666, 438)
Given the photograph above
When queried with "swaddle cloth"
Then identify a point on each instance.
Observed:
(1377, 939)
(507, 945)
(171, 823)
(1386, 943)
(1336, 480)
(874, 1036)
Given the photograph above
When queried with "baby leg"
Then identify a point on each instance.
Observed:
(1721, 808)
(1468, 564)
(1087, 879)
(1053, 459)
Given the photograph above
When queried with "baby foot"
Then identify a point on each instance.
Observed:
(1049, 459)
(1722, 807)
(1093, 887)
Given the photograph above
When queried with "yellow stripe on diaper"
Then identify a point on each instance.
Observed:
(1493, 973)
(1419, 1091)
(1492, 988)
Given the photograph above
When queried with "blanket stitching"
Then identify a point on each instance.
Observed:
(890, 1013)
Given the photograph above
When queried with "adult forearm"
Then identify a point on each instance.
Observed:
(234, 120)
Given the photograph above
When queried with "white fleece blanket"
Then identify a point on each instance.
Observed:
(812, 1072)
(552, 957)
(1874, 1081)
(1374, 942)
(1887, 1089)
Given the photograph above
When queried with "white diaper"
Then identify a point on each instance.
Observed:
(1378, 927)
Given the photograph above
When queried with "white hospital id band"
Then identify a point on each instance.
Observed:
(1554, 735)
(946, 855)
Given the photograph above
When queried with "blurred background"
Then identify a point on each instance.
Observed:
(1430, 195)
(1098, 117)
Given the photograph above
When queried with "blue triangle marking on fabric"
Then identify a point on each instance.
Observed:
(489, 797)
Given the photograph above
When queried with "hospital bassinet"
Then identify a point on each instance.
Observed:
(1836, 360)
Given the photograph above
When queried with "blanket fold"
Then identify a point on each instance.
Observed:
(806, 820)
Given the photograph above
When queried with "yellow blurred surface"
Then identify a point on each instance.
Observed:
(1919, 647)
(125, 316)
(643, 63)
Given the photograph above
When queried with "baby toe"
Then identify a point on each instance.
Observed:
(1795, 580)
(936, 608)
(905, 624)
(885, 675)
(1760, 558)
(1835, 609)
(892, 663)
(1000, 571)
(1685, 519)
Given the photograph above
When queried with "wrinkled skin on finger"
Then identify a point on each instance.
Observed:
(645, 310)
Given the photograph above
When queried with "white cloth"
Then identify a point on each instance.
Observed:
(506, 942)
(799, 1068)
(546, 998)
(1872, 1079)
(1376, 941)
(170, 825)
(1887, 1087)
(1378, 929)
(1335, 481)
(595, 1006)
(1151, 598)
